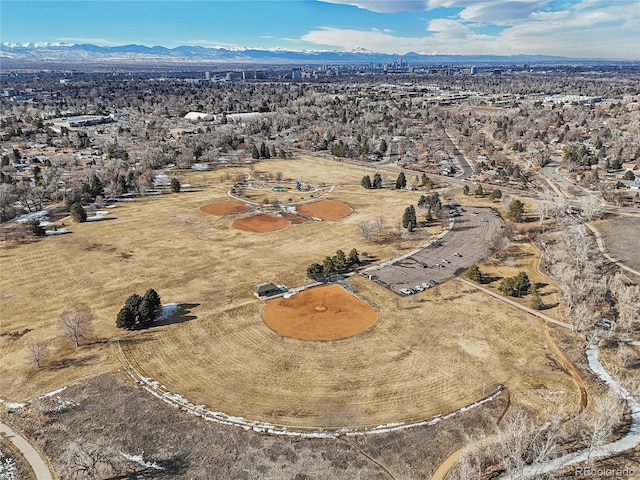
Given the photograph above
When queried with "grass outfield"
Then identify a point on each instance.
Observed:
(168, 244)
(426, 357)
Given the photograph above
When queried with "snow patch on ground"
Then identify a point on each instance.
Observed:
(61, 231)
(12, 406)
(159, 391)
(98, 216)
(40, 215)
(142, 462)
(8, 469)
(52, 394)
(167, 310)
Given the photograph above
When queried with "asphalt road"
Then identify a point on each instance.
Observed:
(467, 243)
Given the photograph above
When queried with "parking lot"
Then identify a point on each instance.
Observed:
(467, 243)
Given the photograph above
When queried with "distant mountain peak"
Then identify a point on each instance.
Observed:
(43, 52)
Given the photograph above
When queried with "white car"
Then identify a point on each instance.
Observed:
(425, 285)
(406, 291)
(419, 288)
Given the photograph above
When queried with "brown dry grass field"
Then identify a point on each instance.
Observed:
(423, 358)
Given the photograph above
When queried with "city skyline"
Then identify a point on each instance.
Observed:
(606, 29)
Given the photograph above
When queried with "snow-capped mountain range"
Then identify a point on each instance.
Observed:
(42, 53)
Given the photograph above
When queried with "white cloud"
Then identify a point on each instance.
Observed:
(588, 29)
(384, 6)
(500, 13)
(93, 41)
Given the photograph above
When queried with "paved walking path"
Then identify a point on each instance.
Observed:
(603, 250)
(630, 440)
(518, 305)
(32, 456)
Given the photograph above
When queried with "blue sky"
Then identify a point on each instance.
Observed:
(574, 28)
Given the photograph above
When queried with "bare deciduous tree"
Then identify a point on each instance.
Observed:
(76, 323)
(37, 352)
(606, 412)
(88, 462)
(590, 207)
(364, 230)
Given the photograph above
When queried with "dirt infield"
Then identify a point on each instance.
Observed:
(224, 208)
(261, 223)
(322, 313)
(326, 209)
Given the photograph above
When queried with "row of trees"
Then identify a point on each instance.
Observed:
(332, 265)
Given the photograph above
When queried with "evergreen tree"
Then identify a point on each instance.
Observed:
(36, 228)
(383, 146)
(478, 192)
(377, 181)
(154, 304)
(495, 194)
(255, 154)
(516, 210)
(37, 175)
(401, 181)
(535, 301)
(353, 258)
(328, 267)
(424, 180)
(78, 213)
(126, 318)
(366, 182)
(340, 261)
(315, 271)
(93, 187)
(474, 273)
(515, 286)
(263, 150)
(409, 220)
(175, 185)
(466, 190)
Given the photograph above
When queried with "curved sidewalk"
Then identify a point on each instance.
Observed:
(38, 464)
(603, 250)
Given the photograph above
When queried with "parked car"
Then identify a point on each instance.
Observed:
(419, 288)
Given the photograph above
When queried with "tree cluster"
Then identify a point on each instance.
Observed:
(474, 273)
(139, 311)
(515, 286)
(339, 263)
(367, 183)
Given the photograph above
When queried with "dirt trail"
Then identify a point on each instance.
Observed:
(443, 469)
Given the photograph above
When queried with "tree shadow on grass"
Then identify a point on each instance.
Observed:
(549, 306)
(70, 362)
(181, 315)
